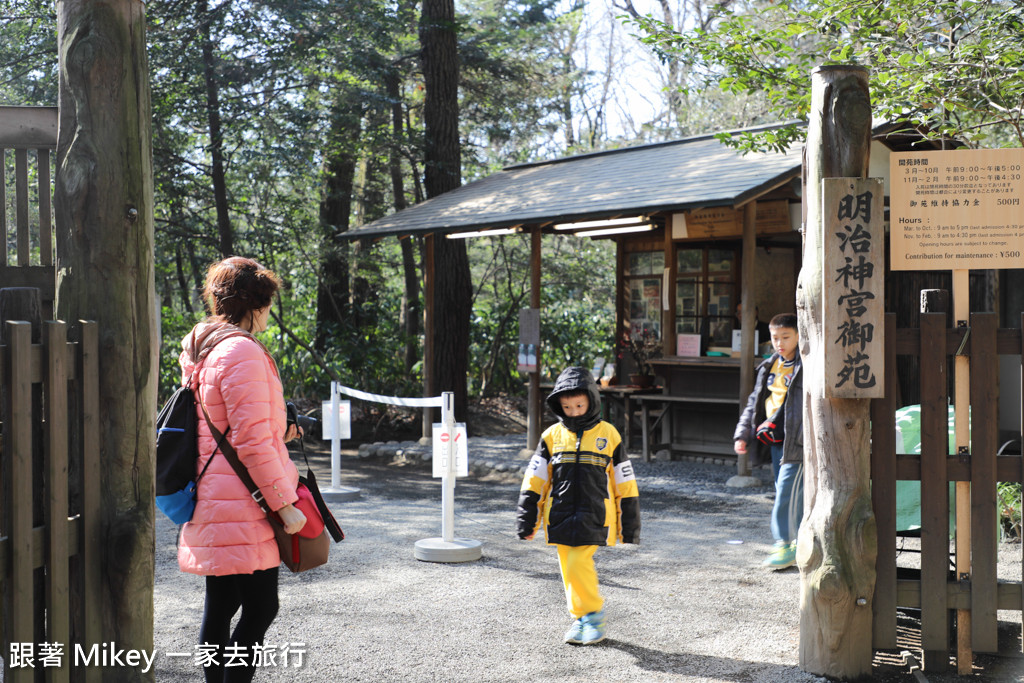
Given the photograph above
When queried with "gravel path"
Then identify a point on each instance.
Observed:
(691, 603)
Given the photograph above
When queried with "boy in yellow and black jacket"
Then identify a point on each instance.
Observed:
(580, 483)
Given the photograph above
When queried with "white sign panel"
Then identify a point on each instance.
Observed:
(442, 450)
(737, 340)
(344, 420)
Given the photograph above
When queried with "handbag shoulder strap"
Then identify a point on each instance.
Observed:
(232, 457)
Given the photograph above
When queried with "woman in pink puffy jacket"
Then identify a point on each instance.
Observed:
(229, 540)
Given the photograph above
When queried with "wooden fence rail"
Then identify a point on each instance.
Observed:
(937, 589)
(49, 535)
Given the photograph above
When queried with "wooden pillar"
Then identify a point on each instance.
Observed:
(836, 549)
(429, 385)
(536, 403)
(748, 320)
(668, 315)
(934, 482)
(961, 428)
(104, 221)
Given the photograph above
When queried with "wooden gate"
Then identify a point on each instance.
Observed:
(937, 591)
(50, 582)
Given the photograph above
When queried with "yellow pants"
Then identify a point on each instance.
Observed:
(580, 579)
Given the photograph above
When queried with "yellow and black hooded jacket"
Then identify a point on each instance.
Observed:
(580, 481)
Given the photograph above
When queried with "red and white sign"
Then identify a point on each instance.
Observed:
(442, 451)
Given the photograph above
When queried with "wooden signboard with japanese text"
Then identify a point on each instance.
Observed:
(725, 221)
(529, 340)
(957, 209)
(853, 293)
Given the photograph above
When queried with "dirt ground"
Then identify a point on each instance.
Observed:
(691, 603)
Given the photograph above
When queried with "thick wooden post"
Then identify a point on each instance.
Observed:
(429, 311)
(749, 324)
(837, 540)
(536, 402)
(104, 212)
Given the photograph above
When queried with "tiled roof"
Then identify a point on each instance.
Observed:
(671, 176)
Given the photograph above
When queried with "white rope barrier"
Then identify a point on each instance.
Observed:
(447, 548)
(427, 402)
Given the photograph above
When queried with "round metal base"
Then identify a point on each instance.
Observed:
(438, 550)
(740, 482)
(340, 494)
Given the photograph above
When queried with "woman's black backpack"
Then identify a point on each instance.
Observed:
(177, 449)
(176, 444)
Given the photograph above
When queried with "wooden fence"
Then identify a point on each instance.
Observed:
(50, 582)
(937, 590)
(28, 138)
(49, 535)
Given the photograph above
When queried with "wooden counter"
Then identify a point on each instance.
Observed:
(703, 423)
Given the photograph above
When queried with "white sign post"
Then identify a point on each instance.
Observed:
(447, 440)
(447, 548)
(337, 427)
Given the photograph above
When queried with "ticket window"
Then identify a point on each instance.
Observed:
(707, 293)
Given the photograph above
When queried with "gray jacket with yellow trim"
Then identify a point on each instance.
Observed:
(580, 481)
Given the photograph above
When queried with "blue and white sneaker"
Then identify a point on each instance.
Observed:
(783, 555)
(575, 633)
(594, 628)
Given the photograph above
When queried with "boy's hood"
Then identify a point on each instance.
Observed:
(572, 380)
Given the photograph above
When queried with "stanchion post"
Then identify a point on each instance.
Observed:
(335, 439)
(448, 478)
(336, 492)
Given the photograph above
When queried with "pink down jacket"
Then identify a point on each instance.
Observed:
(238, 382)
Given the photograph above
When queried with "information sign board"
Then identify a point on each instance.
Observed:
(957, 209)
(344, 420)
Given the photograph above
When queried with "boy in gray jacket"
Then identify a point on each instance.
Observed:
(774, 415)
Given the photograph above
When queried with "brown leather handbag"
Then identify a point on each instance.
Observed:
(309, 547)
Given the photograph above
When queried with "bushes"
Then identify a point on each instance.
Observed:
(1008, 499)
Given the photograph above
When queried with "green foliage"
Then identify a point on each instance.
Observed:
(576, 331)
(577, 302)
(28, 53)
(281, 73)
(1008, 496)
(577, 315)
(948, 68)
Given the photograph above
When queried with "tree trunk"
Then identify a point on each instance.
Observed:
(837, 540)
(220, 189)
(183, 287)
(333, 295)
(411, 310)
(452, 287)
(104, 217)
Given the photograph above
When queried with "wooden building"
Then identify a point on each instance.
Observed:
(699, 228)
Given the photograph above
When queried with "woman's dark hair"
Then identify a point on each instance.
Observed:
(237, 286)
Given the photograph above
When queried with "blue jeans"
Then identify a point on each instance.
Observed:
(789, 497)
